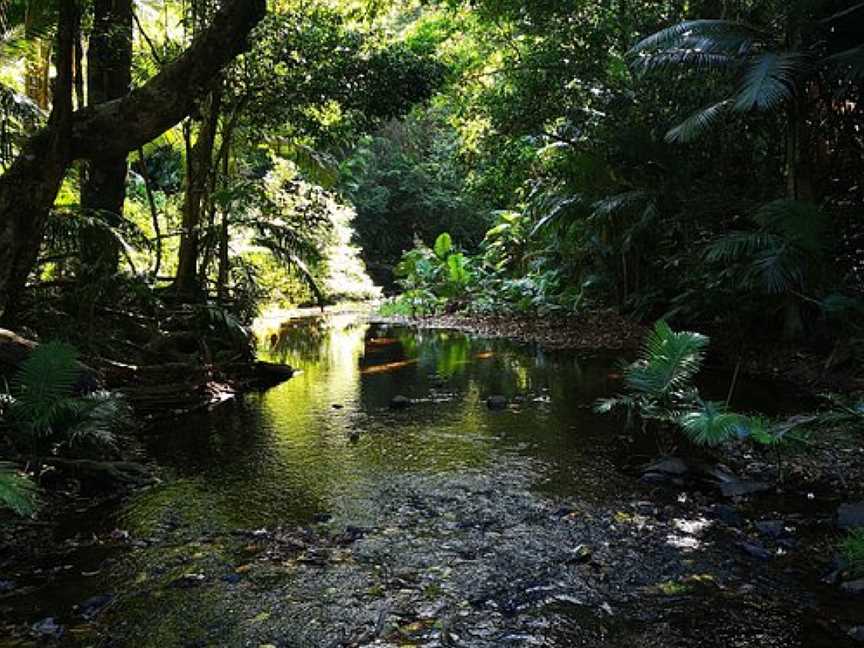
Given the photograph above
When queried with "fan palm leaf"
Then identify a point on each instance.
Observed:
(711, 424)
(770, 80)
(669, 361)
(709, 35)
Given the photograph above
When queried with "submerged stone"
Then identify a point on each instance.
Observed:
(497, 402)
(95, 604)
(48, 627)
(855, 587)
(850, 515)
(400, 403)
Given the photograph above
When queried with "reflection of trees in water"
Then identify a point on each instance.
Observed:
(303, 338)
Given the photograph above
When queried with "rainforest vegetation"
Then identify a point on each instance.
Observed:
(690, 172)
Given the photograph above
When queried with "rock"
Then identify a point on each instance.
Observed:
(400, 403)
(231, 579)
(773, 529)
(717, 474)
(322, 518)
(668, 466)
(832, 577)
(727, 514)
(857, 633)
(7, 586)
(743, 487)
(337, 406)
(668, 470)
(850, 515)
(497, 402)
(354, 436)
(94, 605)
(661, 478)
(47, 627)
(853, 587)
(755, 550)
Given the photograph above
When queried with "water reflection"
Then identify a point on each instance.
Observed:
(316, 442)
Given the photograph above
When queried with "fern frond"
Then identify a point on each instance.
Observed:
(99, 415)
(43, 384)
(17, 491)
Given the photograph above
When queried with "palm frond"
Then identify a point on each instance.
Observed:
(731, 34)
(850, 61)
(711, 424)
(770, 80)
(617, 203)
(800, 224)
(739, 245)
(699, 122)
(17, 491)
(669, 361)
(685, 57)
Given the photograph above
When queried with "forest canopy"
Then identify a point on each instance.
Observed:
(686, 160)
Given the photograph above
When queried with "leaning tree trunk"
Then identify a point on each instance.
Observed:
(28, 189)
(109, 75)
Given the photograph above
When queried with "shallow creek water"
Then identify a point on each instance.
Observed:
(314, 514)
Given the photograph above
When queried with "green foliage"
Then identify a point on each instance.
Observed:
(407, 182)
(660, 391)
(712, 424)
(669, 361)
(17, 491)
(852, 549)
(42, 388)
(46, 414)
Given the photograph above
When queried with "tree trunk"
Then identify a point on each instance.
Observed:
(799, 173)
(109, 76)
(224, 234)
(198, 172)
(28, 189)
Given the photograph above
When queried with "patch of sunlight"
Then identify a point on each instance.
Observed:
(690, 530)
(346, 273)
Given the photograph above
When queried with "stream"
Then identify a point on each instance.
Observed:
(317, 514)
